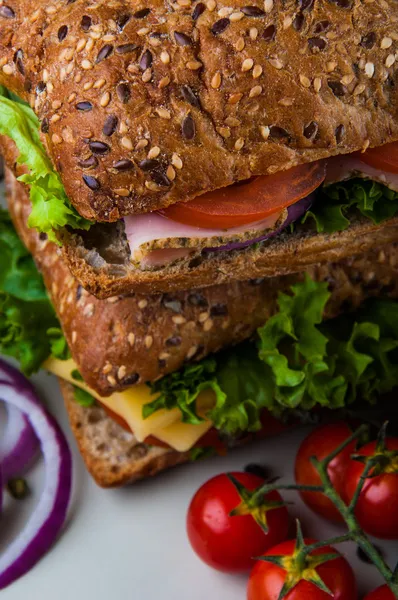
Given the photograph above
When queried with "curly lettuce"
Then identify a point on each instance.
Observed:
(337, 205)
(51, 208)
(298, 362)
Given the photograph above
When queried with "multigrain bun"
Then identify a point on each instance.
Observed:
(132, 339)
(144, 104)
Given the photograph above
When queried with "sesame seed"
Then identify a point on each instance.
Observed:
(122, 192)
(111, 380)
(74, 336)
(147, 75)
(386, 42)
(89, 45)
(253, 33)
(143, 31)
(164, 82)
(50, 87)
(216, 80)
(317, 84)
(287, 21)
(164, 355)
(105, 99)
(141, 144)
(55, 118)
(224, 132)
(257, 71)
(240, 142)
(72, 97)
(178, 319)
(142, 303)
(121, 373)
(126, 143)
(247, 64)
(148, 341)
(255, 91)
(176, 161)
(236, 16)
(268, 5)
(232, 122)
(211, 5)
(265, 131)
(192, 351)
(390, 60)
(88, 310)
(8, 70)
(86, 65)
(165, 58)
(88, 85)
(359, 89)
(207, 325)
(56, 139)
(203, 316)
(154, 152)
(163, 113)
(276, 63)
(330, 66)
(235, 98)
(131, 338)
(46, 76)
(347, 79)
(194, 65)
(286, 102)
(240, 44)
(305, 82)
(152, 186)
(107, 368)
(171, 174)
(81, 44)
(99, 84)
(369, 70)
(225, 12)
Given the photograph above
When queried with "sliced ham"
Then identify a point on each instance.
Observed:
(341, 168)
(155, 241)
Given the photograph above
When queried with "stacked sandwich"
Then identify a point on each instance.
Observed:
(205, 188)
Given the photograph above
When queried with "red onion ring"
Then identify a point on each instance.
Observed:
(19, 444)
(49, 515)
(294, 212)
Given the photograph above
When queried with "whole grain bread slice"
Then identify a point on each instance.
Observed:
(146, 104)
(133, 339)
(112, 455)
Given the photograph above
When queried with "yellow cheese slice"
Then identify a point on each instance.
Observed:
(166, 425)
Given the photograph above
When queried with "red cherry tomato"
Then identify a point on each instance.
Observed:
(250, 201)
(229, 543)
(321, 442)
(382, 593)
(267, 579)
(384, 157)
(376, 509)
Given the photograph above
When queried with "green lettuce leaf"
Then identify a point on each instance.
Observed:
(51, 208)
(298, 362)
(83, 398)
(337, 204)
(29, 328)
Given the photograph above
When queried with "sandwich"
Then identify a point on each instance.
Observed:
(154, 381)
(173, 146)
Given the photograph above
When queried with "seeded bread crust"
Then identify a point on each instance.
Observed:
(112, 455)
(144, 104)
(126, 340)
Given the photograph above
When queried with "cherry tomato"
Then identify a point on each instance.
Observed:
(382, 593)
(250, 201)
(384, 157)
(229, 543)
(267, 579)
(321, 442)
(376, 509)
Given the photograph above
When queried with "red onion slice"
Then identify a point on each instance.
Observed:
(19, 444)
(294, 212)
(46, 521)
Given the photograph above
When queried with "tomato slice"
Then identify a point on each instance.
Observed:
(249, 201)
(384, 157)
